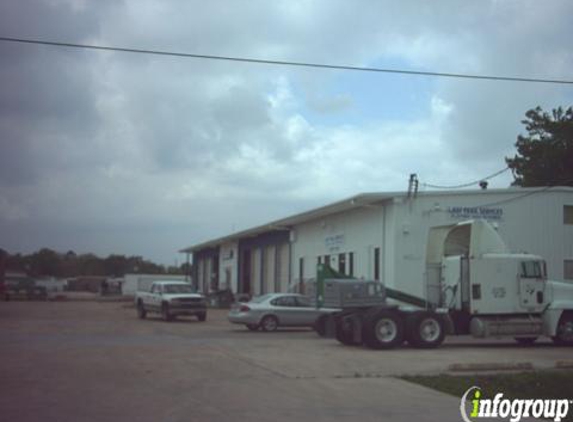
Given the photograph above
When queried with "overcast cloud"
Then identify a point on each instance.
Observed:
(110, 152)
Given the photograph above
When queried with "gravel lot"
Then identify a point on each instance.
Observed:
(92, 361)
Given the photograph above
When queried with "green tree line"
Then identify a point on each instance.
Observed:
(47, 262)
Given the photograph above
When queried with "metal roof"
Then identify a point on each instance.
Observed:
(357, 201)
(286, 223)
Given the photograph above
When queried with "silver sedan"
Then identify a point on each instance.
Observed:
(270, 311)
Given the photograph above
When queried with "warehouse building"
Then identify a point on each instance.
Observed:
(382, 236)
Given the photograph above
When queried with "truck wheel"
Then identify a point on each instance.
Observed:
(525, 341)
(564, 335)
(202, 317)
(320, 325)
(269, 323)
(383, 330)
(141, 313)
(344, 334)
(165, 314)
(425, 330)
(253, 327)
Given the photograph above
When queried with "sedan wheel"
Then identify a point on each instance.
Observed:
(269, 323)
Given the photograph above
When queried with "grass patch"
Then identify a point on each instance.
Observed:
(549, 384)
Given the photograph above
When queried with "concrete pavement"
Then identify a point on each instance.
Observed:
(86, 361)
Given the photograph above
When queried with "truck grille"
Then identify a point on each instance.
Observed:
(191, 300)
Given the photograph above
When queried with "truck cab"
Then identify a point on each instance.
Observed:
(490, 291)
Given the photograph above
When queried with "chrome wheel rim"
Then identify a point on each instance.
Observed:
(430, 330)
(386, 330)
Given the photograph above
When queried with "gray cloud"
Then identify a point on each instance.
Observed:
(116, 152)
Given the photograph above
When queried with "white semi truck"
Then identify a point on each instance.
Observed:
(473, 285)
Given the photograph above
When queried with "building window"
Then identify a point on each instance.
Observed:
(342, 263)
(300, 269)
(351, 264)
(319, 260)
(567, 214)
(377, 264)
(568, 269)
(326, 259)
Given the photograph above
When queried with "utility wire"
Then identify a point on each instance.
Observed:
(289, 63)
(465, 185)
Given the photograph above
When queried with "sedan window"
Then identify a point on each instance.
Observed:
(303, 302)
(289, 301)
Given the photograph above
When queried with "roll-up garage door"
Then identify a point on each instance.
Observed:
(283, 267)
(256, 271)
(269, 269)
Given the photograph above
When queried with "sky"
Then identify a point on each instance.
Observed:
(111, 152)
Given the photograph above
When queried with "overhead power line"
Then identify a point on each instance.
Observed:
(288, 63)
(465, 185)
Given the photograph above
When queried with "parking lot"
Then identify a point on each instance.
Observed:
(94, 361)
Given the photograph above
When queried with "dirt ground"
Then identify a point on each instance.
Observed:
(91, 361)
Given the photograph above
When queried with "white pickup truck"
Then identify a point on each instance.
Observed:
(170, 299)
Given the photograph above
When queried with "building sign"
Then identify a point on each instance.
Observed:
(334, 242)
(475, 212)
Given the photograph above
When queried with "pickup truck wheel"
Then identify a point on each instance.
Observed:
(384, 330)
(202, 317)
(425, 330)
(564, 335)
(525, 341)
(165, 314)
(253, 327)
(269, 323)
(141, 313)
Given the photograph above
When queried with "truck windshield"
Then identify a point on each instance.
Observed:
(177, 288)
(533, 269)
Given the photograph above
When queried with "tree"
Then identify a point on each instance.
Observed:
(545, 156)
(46, 262)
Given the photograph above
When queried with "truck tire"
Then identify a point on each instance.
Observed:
(202, 317)
(564, 336)
(343, 333)
(269, 323)
(383, 330)
(141, 312)
(425, 330)
(320, 325)
(525, 341)
(165, 314)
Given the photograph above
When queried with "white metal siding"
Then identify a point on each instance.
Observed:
(228, 259)
(357, 231)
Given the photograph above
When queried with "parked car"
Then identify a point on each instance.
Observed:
(170, 299)
(24, 288)
(270, 311)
